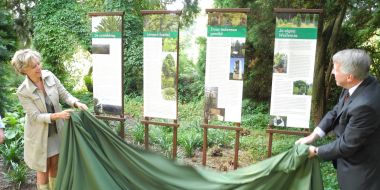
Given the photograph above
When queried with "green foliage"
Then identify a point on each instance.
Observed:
(190, 136)
(88, 80)
(165, 141)
(190, 88)
(169, 45)
(255, 115)
(161, 22)
(12, 152)
(133, 40)
(168, 78)
(60, 29)
(280, 60)
(133, 106)
(191, 76)
(191, 112)
(23, 22)
(189, 140)
(220, 138)
(13, 148)
(168, 69)
(189, 12)
(201, 63)
(17, 173)
(138, 133)
(300, 87)
(109, 24)
(258, 67)
(7, 47)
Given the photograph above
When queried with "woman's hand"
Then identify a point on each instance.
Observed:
(80, 106)
(65, 114)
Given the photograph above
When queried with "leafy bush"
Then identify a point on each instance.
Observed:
(60, 29)
(190, 140)
(13, 148)
(165, 141)
(255, 114)
(17, 173)
(133, 105)
(138, 133)
(88, 80)
(221, 138)
(190, 136)
(12, 152)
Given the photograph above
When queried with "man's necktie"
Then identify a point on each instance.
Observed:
(346, 97)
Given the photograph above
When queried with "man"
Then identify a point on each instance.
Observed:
(2, 137)
(355, 120)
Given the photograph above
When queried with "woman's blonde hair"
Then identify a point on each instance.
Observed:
(24, 58)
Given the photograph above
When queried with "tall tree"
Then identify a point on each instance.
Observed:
(23, 26)
(60, 29)
(344, 24)
(7, 47)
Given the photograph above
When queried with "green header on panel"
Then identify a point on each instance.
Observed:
(160, 34)
(296, 33)
(106, 34)
(226, 31)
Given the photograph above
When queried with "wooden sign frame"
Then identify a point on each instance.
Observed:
(120, 117)
(150, 120)
(271, 129)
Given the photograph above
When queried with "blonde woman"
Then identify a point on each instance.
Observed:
(39, 95)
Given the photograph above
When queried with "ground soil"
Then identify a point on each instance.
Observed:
(5, 184)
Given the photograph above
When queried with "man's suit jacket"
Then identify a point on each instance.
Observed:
(356, 149)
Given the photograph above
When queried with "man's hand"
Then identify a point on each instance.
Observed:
(2, 137)
(307, 140)
(313, 151)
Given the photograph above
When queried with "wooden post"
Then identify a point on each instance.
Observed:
(146, 134)
(270, 142)
(175, 128)
(236, 157)
(204, 151)
(122, 130)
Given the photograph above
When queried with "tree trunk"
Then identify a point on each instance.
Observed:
(332, 47)
(326, 45)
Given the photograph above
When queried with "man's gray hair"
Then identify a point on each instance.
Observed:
(353, 61)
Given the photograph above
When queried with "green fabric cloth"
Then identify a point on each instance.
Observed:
(93, 157)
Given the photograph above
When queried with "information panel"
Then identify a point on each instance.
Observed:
(226, 33)
(107, 63)
(293, 69)
(160, 65)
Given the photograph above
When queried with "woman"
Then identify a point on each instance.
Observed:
(39, 95)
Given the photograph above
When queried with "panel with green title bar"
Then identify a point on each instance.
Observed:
(106, 34)
(154, 34)
(226, 31)
(296, 33)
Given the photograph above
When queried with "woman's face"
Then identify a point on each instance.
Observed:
(34, 69)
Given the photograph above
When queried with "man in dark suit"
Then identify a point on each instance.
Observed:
(355, 120)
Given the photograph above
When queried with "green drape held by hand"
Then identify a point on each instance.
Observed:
(93, 157)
